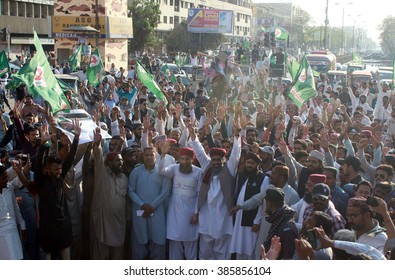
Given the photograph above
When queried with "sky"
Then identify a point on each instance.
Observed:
(366, 13)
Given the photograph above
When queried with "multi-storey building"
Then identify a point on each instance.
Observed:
(175, 11)
(20, 17)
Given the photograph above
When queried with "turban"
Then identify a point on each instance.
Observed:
(317, 178)
(217, 152)
(186, 152)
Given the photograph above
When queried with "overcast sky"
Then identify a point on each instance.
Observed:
(371, 12)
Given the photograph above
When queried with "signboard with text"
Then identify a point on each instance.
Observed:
(60, 23)
(119, 27)
(210, 21)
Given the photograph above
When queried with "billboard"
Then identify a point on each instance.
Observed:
(210, 21)
(119, 27)
(60, 23)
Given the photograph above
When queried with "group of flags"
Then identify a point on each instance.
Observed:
(39, 79)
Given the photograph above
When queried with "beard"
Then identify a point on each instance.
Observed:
(185, 169)
(308, 197)
(250, 173)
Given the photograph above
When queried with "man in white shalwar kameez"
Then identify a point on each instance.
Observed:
(246, 226)
(10, 217)
(216, 197)
(278, 178)
(181, 231)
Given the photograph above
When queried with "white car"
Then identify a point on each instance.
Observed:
(64, 123)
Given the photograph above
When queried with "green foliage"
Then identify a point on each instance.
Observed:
(179, 39)
(146, 16)
(387, 35)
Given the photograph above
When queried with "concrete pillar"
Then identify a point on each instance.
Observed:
(114, 28)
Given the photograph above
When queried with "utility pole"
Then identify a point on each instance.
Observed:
(326, 24)
(97, 22)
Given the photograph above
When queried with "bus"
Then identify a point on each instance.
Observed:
(322, 61)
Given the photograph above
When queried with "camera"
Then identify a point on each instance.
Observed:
(313, 240)
(372, 201)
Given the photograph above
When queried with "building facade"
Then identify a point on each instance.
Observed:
(175, 11)
(20, 16)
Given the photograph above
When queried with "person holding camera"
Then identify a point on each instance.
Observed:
(360, 216)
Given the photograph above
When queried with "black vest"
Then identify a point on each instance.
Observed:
(253, 187)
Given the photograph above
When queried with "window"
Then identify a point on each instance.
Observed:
(44, 11)
(21, 9)
(29, 9)
(191, 5)
(4, 7)
(182, 4)
(37, 10)
(246, 19)
(13, 8)
(50, 11)
(164, 19)
(171, 2)
(176, 20)
(171, 20)
(238, 17)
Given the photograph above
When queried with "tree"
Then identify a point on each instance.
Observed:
(387, 35)
(146, 17)
(179, 39)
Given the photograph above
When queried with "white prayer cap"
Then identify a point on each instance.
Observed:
(318, 155)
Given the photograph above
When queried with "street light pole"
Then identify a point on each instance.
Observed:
(342, 44)
(326, 23)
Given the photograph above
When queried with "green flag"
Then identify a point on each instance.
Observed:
(75, 59)
(147, 80)
(4, 66)
(178, 59)
(186, 60)
(304, 87)
(281, 33)
(13, 84)
(40, 80)
(293, 69)
(393, 72)
(356, 58)
(95, 68)
(169, 74)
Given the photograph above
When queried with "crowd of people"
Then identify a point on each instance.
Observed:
(246, 176)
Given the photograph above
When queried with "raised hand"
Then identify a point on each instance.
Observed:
(97, 135)
(178, 111)
(283, 147)
(363, 143)
(192, 103)
(146, 123)
(45, 136)
(77, 127)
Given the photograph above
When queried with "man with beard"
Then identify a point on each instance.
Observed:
(251, 136)
(300, 207)
(131, 158)
(280, 216)
(314, 166)
(321, 202)
(182, 229)
(216, 197)
(108, 212)
(148, 190)
(278, 179)
(55, 224)
(367, 230)
(246, 225)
